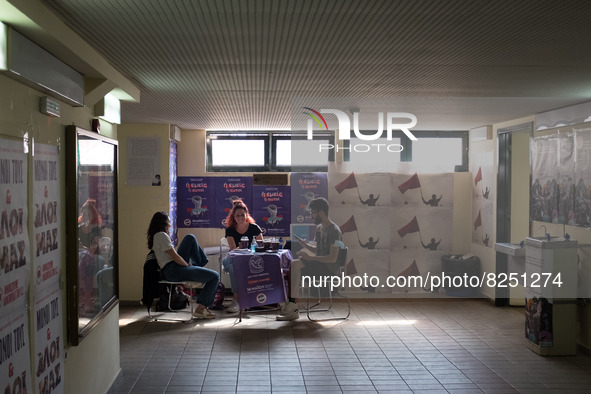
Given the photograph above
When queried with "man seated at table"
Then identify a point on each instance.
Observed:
(319, 259)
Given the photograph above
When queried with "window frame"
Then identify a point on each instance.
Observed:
(300, 135)
(232, 135)
(406, 154)
(270, 139)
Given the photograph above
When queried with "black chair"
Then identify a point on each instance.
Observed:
(324, 306)
(153, 279)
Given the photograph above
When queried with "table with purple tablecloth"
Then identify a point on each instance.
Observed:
(259, 277)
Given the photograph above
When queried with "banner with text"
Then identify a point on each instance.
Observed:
(46, 223)
(14, 233)
(49, 343)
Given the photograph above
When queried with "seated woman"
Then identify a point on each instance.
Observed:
(184, 264)
(239, 223)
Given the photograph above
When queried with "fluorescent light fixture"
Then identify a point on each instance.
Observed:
(109, 109)
(3, 47)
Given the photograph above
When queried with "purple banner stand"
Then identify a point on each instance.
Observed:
(258, 277)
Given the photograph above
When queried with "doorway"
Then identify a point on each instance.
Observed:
(513, 184)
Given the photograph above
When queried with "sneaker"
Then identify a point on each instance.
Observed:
(233, 307)
(289, 311)
(203, 314)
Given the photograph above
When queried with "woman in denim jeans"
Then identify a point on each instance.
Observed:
(184, 264)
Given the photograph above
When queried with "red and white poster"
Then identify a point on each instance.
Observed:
(46, 223)
(15, 368)
(48, 362)
(14, 234)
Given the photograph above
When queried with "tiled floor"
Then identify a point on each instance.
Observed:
(386, 346)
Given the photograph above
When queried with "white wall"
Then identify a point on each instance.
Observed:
(93, 366)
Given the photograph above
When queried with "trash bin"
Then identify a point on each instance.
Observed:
(457, 266)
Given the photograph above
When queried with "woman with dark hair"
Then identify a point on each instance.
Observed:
(184, 264)
(239, 224)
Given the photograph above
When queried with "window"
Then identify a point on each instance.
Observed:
(432, 155)
(268, 151)
(237, 152)
(433, 152)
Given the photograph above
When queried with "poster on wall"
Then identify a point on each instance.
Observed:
(271, 209)
(196, 197)
(306, 186)
(423, 190)
(483, 191)
(172, 190)
(14, 233)
(566, 183)
(143, 162)
(46, 222)
(15, 365)
(393, 224)
(228, 190)
(545, 173)
(582, 209)
(49, 343)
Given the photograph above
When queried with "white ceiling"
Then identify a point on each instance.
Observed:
(251, 64)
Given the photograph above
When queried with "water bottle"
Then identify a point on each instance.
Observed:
(280, 243)
(253, 244)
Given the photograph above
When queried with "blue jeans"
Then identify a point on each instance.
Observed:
(227, 264)
(190, 250)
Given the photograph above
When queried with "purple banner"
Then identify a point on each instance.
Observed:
(272, 209)
(172, 198)
(259, 280)
(227, 190)
(305, 186)
(196, 199)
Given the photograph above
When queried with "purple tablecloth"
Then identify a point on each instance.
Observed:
(259, 278)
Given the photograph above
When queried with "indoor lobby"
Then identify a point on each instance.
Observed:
(448, 136)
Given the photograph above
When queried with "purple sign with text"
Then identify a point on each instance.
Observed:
(305, 186)
(195, 197)
(227, 190)
(259, 280)
(272, 209)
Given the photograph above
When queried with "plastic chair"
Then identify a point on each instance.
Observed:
(317, 307)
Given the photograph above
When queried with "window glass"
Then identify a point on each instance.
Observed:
(239, 152)
(301, 153)
(435, 155)
(379, 155)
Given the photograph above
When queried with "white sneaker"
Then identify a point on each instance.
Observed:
(234, 307)
(289, 311)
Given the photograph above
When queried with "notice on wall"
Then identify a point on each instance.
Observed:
(46, 223)
(14, 239)
(49, 343)
(15, 366)
(143, 162)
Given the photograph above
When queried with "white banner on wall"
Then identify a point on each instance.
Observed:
(15, 366)
(483, 192)
(143, 162)
(49, 343)
(14, 234)
(46, 223)
(393, 224)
